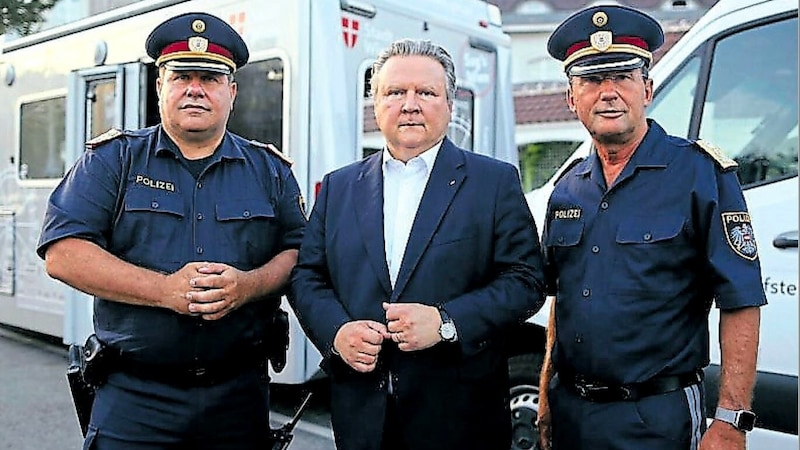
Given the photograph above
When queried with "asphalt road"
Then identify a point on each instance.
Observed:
(36, 411)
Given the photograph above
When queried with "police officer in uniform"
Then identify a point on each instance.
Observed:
(640, 239)
(185, 234)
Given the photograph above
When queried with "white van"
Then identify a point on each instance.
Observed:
(732, 80)
(305, 89)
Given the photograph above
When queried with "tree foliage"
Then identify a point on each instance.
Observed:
(23, 16)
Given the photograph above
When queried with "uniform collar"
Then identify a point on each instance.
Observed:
(649, 155)
(227, 149)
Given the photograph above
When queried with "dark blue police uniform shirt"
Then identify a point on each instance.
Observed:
(134, 197)
(635, 268)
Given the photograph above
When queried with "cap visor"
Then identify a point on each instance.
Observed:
(200, 66)
(601, 65)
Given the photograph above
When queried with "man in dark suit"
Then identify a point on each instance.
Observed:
(415, 263)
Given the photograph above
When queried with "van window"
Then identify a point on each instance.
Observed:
(101, 97)
(42, 139)
(462, 120)
(750, 107)
(258, 108)
(672, 106)
(539, 161)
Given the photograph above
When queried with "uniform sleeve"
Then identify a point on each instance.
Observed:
(83, 203)
(731, 248)
(292, 212)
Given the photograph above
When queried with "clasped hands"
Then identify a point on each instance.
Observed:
(413, 326)
(208, 290)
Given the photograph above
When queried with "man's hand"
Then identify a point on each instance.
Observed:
(177, 285)
(413, 326)
(359, 342)
(723, 436)
(216, 289)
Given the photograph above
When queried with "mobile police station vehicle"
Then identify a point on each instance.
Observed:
(731, 80)
(305, 89)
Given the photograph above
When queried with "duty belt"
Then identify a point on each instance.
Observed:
(600, 392)
(191, 375)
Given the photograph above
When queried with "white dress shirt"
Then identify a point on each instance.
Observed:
(403, 186)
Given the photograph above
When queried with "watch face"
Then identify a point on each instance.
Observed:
(447, 331)
(747, 420)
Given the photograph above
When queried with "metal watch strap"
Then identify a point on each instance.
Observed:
(742, 420)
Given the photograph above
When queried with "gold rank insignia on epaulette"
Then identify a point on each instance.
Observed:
(103, 138)
(274, 150)
(717, 154)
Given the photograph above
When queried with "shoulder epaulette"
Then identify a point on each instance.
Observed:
(103, 138)
(717, 155)
(274, 150)
(569, 167)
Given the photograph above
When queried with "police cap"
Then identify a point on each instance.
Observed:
(197, 41)
(605, 39)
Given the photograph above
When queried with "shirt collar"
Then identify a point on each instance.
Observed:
(428, 156)
(649, 154)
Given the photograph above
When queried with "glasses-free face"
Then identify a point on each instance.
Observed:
(195, 104)
(612, 105)
(411, 105)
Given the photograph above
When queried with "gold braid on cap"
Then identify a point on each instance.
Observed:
(613, 48)
(196, 55)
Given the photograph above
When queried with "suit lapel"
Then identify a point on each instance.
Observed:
(368, 205)
(445, 180)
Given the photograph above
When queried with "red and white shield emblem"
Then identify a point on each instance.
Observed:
(349, 31)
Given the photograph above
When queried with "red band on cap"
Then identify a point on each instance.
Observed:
(183, 46)
(630, 40)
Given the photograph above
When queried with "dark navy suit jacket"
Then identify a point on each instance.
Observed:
(473, 248)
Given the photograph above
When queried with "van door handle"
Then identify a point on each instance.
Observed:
(786, 240)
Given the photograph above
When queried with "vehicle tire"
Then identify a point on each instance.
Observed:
(523, 371)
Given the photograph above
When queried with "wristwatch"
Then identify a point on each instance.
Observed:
(447, 330)
(742, 419)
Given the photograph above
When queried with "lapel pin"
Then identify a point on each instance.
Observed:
(452, 182)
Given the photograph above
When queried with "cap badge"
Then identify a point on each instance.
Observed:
(198, 44)
(198, 26)
(601, 40)
(600, 19)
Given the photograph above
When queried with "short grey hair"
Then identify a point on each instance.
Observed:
(417, 47)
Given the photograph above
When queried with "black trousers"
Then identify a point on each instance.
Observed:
(392, 430)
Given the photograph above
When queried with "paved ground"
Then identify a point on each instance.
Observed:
(36, 411)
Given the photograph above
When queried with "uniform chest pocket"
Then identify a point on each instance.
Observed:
(248, 229)
(145, 201)
(649, 230)
(245, 210)
(150, 222)
(652, 252)
(564, 233)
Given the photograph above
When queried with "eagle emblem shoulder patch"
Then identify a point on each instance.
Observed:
(739, 234)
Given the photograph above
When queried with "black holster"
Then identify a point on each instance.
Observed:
(98, 360)
(278, 339)
(88, 368)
